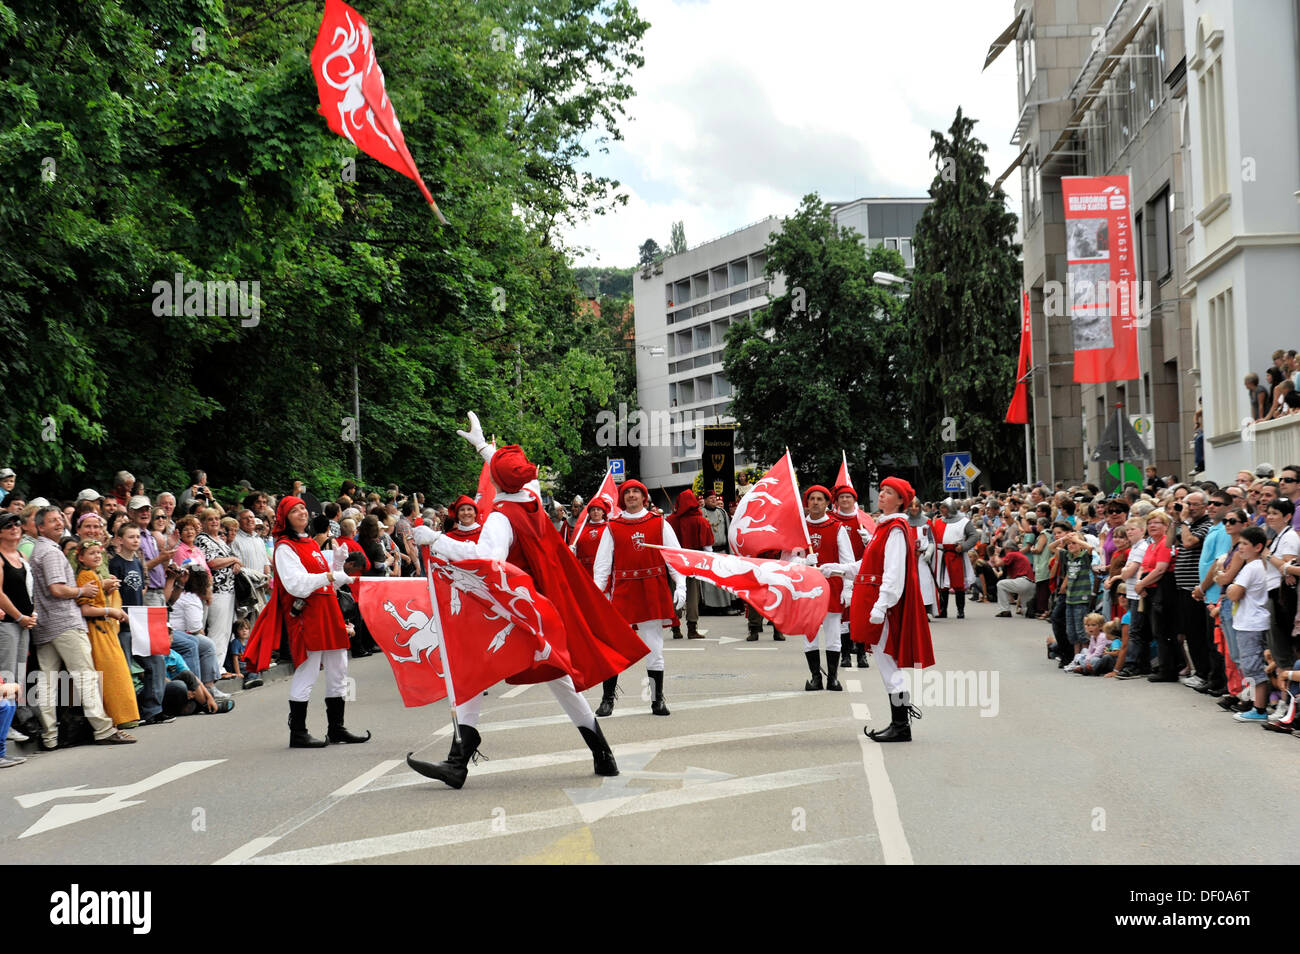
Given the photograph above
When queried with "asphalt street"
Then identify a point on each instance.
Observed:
(1014, 762)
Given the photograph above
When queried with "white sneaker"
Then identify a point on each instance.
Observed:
(1193, 682)
(1283, 710)
(218, 694)
(15, 735)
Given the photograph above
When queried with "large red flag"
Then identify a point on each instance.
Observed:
(1018, 412)
(486, 493)
(844, 480)
(792, 596)
(609, 490)
(352, 95)
(770, 517)
(494, 627)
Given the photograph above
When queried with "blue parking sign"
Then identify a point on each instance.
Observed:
(617, 469)
(954, 480)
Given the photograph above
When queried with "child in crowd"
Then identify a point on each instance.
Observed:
(8, 706)
(1095, 648)
(1078, 588)
(1251, 619)
(1109, 644)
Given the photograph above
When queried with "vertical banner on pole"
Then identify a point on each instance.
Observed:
(720, 461)
(1018, 412)
(1101, 287)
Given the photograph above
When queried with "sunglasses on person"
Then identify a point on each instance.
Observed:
(1233, 520)
(1287, 480)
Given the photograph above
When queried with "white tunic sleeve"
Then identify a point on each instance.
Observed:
(894, 576)
(604, 564)
(670, 540)
(493, 543)
(845, 548)
(293, 576)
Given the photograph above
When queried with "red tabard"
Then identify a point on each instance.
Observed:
(951, 555)
(909, 629)
(851, 524)
(469, 536)
(588, 544)
(598, 641)
(639, 580)
(825, 543)
(319, 626)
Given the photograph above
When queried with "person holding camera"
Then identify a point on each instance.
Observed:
(303, 604)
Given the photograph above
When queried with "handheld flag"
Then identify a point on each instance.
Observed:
(770, 516)
(150, 635)
(607, 489)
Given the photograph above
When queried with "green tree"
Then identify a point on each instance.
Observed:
(677, 241)
(648, 252)
(962, 314)
(816, 370)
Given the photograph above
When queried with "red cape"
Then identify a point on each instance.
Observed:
(909, 642)
(694, 532)
(598, 641)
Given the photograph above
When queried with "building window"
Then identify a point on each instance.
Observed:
(1222, 352)
(1139, 246)
(1026, 58)
(905, 247)
(1214, 176)
(1163, 248)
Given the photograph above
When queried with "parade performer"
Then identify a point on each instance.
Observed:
(713, 511)
(955, 536)
(598, 642)
(303, 605)
(924, 556)
(695, 533)
(467, 527)
(637, 579)
(887, 607)
(829, 540)
(584, 548)
(846, 512)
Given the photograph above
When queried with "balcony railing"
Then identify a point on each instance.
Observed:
(1277, 442)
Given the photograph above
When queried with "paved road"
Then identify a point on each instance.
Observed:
(1014, 762)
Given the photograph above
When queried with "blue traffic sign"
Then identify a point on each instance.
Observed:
(617, 469)
(954, 465)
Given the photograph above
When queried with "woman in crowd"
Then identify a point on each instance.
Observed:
(104, 614)
(187, 531)
(1283, 549)
(223, 564)
(16, 604)
(188, 592)
(1224, 572)
(368, 537)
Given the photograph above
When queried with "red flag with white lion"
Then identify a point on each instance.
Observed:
(494, 626)
(792, 596)
(770, 517)
(353, 99)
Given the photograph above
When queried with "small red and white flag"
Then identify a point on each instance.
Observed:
(770, 517)
(150, 634)
(608, 490)
(792, 596)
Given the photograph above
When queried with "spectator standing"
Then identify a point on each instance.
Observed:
(1191, 524)
(1284, 548)
(126, 565)
(7, 480)
(103, 613)
(153, 556)
(223, 565)
(1251, 619)
(19, 612)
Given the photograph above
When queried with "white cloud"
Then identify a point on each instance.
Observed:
(744, 106)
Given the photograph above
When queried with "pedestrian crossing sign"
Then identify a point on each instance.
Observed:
(955, 466)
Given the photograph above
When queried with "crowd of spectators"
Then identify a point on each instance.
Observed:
(1279, 394)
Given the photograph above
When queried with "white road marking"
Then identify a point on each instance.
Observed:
(683, 649)
(244, 852)
(757, 649)
(884, 805)
(841, 851)
(517, 690)
(364, 779)
(853, 685)
(861, 712)
(623, 711)
(116, 797)
(426, 838)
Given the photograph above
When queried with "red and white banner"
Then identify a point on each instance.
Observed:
(844, 480)
(609, 490)
(150, 635)
(1018, 411)
(353, 99)
(1101, 288)
(770, 517)
(793, 597)
(494, 626)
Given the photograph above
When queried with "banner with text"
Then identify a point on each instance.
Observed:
(720, 462)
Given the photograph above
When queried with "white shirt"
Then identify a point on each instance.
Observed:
(1135, 554)
(1286, 543)
(1251, 613)
(894, 577)
(295, 578)
(604, 564)
(187, 614)
(252, 553)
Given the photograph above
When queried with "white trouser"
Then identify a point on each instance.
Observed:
(221, 619)
(890, 674)
(573, 704)
(652, 634)
(1020, 586)
(830, 633)
(335, 662)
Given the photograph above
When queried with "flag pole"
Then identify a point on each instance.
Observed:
(435, 617)
(794, 479)
(1119, 433)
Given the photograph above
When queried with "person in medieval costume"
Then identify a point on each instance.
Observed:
(713, 511)
(588, 541)
(829, 543)
(846, 512)
(595, 639)
(694, 533)
(467, 528)
(925, 548)
(304, 608)
(954, 537)
(637, 580)
(887, 607)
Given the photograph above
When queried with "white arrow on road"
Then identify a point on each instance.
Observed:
(723, 640)
(118, 797)
(595, 803)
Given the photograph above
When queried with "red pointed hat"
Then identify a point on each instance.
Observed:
(511, 469)
(845, 489)
(282, 514)
(819, 489)
(629, 484)
(903, 488)
(465, 501)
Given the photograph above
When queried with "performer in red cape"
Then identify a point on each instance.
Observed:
(830, 544)
(638, 583)
(467, 527)
(584, 548)
(954, 535)
(596, 640)
(887, 607)
(846, 512)
(694, 532)
(304, 605)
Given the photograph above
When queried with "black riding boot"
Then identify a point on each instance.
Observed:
(607, 699)
(861, 649)
(899, 729)
(602, 755)
(658, 706)
(846, 652)
(299, 737)
(943, 605)
(832, 667)
(456, 768)
(337, 733)
(815, 667)
(961, 604)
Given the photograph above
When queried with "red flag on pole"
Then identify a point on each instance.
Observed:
(486, 493)
(844, 480)
(1018, 412)
(608, 489)
(494, 627)
(352, 95)
(793, 597)
(770, 517)
(150, 635)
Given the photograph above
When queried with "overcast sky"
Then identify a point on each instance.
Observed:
(745, 106)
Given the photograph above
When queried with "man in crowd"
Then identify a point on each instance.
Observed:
(1017, 579)
(1191, 525)
(716, 514)
(123, 483)
(1288, 485)
(154, 558)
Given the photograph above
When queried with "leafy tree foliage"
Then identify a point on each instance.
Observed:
(648, 252)
(677, 241)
